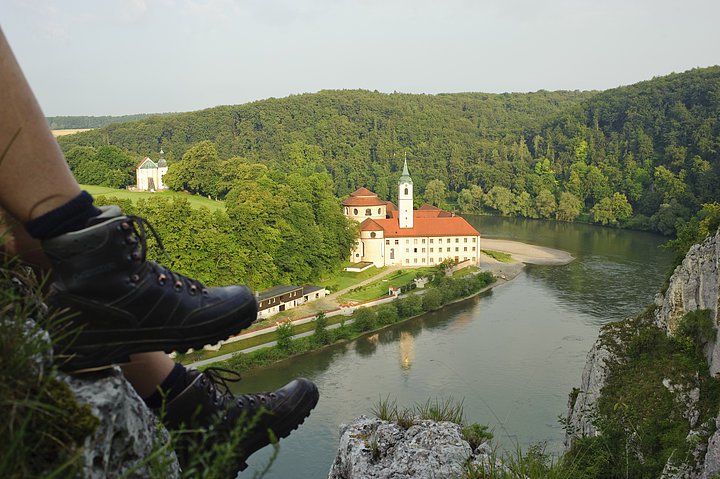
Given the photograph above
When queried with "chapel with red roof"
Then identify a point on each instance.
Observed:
(401, 235)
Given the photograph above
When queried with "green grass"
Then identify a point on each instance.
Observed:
(195, 201)
(346, 279)
(461, 273)
(498, 255)
(379, 288)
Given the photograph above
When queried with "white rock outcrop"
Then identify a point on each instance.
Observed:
(128, 432)
(695, 284)
(371, 448)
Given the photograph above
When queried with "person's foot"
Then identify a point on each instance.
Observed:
(121, 304)
(255, 420)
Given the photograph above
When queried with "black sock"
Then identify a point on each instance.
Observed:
(173, 385)
(71, 216)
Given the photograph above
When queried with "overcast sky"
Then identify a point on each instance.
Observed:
(99, 57)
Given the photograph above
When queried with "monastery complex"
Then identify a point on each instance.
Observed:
(401, 235)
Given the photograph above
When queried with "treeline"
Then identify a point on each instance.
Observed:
(71, 122)
(278, 228)
(643, 156)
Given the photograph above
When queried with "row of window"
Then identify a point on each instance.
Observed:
(432, 260)
(440, 250)
(368, 211)
(432, 240)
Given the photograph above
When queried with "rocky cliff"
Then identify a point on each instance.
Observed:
(693, 291)
(695, 284)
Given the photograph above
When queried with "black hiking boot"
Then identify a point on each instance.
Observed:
(207, 414)
(121, 304)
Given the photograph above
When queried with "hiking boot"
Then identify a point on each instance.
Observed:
(121, 304)
(214, 416)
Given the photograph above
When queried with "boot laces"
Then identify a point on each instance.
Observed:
(138, 224)
(219, 381)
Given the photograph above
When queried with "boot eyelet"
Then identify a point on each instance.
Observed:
(161, 279)
(192, 290)
(134, 278)
(205, 292)
(178, 286)
(125, 225)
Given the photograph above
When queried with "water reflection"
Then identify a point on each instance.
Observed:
(407, 350)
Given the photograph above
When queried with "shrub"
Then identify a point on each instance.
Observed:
(432, 300)
(284, 334)
(363, 319)
(387, 314)
(410, 306)
(321, 336)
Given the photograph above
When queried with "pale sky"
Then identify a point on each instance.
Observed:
(113, 57)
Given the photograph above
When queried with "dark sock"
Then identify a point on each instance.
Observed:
(71, 216)
(173, 385)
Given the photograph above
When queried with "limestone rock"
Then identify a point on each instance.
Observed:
(372, 448)
(128, 430)
(581, 406)
(695, 284)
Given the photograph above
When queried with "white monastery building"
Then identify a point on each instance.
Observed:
(149, 174)
(391, 235)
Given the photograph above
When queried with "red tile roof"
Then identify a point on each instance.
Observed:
(362, 191)
(428, 206)
(363, 201)
(370, 225)
(438, 226)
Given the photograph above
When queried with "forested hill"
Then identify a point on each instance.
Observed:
(644, 155)
(362, 136)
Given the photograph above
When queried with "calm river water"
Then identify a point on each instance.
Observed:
(512, 354)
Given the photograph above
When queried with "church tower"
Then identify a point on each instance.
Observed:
(405, 198)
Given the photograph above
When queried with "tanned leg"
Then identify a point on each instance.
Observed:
(34, 177)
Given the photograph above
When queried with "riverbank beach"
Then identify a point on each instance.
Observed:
(520, 254)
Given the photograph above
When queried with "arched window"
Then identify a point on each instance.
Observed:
(347, 210)
(368, 212)
(355, 211)
(379, 211)
(406, 191)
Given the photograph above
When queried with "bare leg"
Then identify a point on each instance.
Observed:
(146, 371)
(34, 177)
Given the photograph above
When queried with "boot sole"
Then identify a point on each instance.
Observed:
(97, 350)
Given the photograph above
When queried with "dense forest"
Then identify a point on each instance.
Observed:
(645, 156)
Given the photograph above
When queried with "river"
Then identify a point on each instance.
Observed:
(511, 355)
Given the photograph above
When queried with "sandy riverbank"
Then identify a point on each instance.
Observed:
(522, 254)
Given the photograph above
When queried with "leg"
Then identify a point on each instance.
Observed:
(34, 177)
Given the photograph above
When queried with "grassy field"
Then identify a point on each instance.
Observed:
(461, 273)
(196, 201)
(379, 288)
(498, 255)
(69, 131)
(345, 279)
